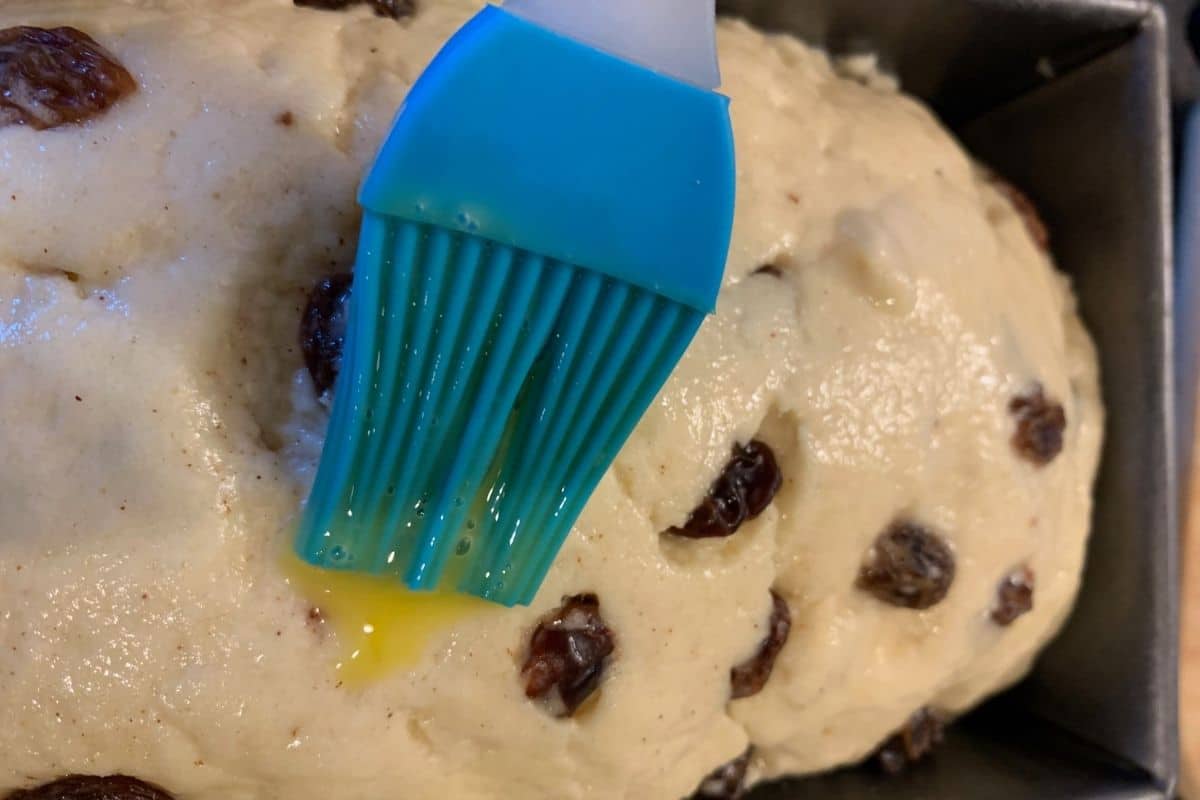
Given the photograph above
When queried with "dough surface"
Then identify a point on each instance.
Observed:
(159, 432)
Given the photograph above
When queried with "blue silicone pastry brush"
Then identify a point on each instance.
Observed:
(544, 230)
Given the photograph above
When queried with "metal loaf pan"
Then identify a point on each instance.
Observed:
(1069, 100)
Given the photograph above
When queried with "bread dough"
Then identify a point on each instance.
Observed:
(159, 433)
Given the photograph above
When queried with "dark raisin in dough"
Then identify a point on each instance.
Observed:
(568, 653)
(1026, 210)
(740, 493)
(922, 733)
(908, 566)
(90, 787)
(323, 329)
(1040, 425)
(396, 9)
(726, 782)
(1014, 596)
(749, 677)
(57, 77)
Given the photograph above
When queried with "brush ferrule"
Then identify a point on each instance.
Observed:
(674, 37)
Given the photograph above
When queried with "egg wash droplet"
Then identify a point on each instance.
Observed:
(381, 625)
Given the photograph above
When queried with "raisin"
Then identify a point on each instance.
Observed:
(323, 329)
(740, 493)
(90, 787)
(749, 677)
(908, 566)
(396, 9)
(568, 653)
(1040, 425)
(726, 782)
(1026, 210)
(923, 732)
(1014, 596)
(57, 77)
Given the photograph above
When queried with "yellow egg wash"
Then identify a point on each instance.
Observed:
(382, 625)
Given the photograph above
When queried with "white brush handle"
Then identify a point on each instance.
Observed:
(674, 37)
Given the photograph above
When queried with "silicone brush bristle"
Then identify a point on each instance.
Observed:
(486, 390)
(545, 227)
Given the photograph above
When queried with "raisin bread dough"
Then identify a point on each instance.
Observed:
(160, 431)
